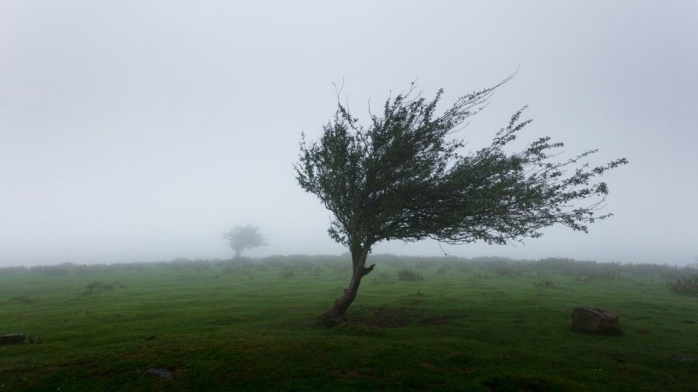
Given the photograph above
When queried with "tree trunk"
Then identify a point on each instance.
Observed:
(238, 253)
(338, 311)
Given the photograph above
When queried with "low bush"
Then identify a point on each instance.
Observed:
(409, 275)
(316, 270)
(101, 286)
(443, 269)
(54, 270)
(685, 286)
(12, 270)
(505, 270)
(545, 283)
(288, 271)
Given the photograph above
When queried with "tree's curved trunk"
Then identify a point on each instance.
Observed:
(238, 253)
(337, 314)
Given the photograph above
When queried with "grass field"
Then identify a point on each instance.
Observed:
(480, 325)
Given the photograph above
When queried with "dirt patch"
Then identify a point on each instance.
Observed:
(386, 317)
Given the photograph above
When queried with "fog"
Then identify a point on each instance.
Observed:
(143, 130)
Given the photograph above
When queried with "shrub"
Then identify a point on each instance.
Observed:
(92, 286)
(316, 270)
(288, 271)
(505, 270)
(55, 270)
(544, 283)
(98, 286)
(685, 286)
(12, 270)
(409, 275)
(443, 268)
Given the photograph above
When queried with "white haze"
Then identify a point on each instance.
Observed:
(143, 130)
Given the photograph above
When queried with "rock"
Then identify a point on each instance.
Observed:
(14, 338)
(684, 358)
(162, 373)
(596, 320)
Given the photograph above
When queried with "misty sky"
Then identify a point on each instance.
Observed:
(143, 130)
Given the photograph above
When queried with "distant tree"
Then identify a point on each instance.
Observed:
(244, 237)
(404, 178)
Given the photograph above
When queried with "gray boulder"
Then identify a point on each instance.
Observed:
(14, 338)
(596, 320)
(161, 373)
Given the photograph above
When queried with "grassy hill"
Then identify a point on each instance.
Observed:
(427, 324)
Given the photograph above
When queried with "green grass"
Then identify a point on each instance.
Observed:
(252, 326)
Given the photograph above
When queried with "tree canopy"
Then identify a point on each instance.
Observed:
(404, 177)
(244, 237)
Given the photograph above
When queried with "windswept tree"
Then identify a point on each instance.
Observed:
(244, 237)
(403, 178)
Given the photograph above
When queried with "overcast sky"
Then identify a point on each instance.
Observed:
(143, 130)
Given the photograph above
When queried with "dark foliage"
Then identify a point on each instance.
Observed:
(402, 179)
(686, 286)
(409, 275)
(101, 286)
(288, 271)
(11, 270)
